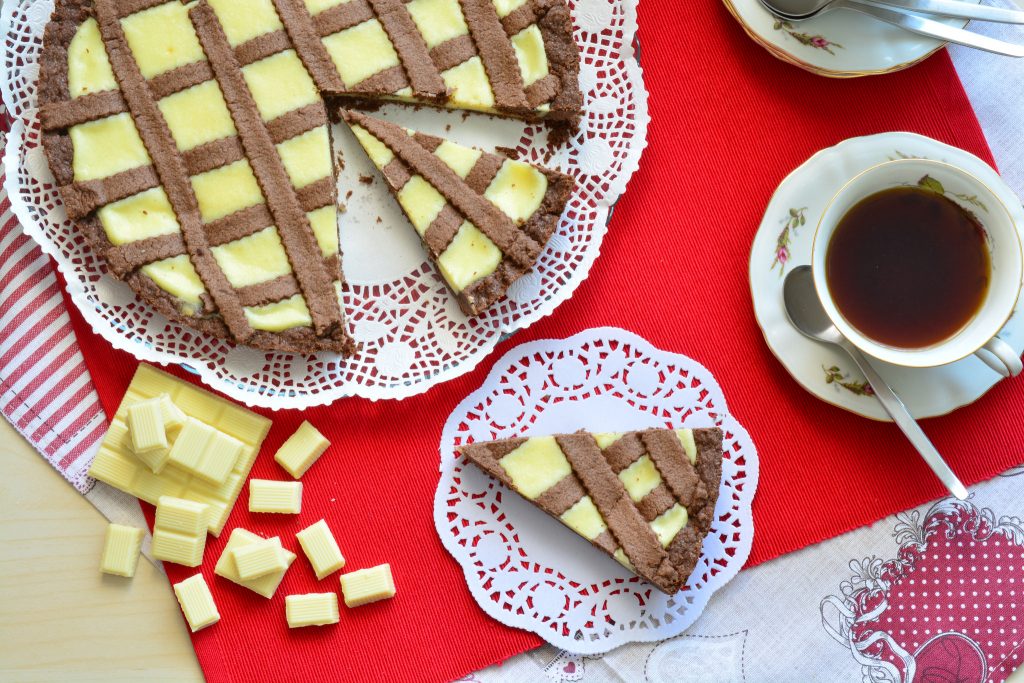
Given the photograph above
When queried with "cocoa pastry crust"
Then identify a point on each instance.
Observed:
(695, 487)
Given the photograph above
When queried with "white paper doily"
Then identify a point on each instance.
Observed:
(411, 329)
(524, 568)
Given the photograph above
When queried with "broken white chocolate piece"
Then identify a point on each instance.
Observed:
(367, 585)
(258, 559)
(311, 609)
(196, 602)
(319, 545)
(146, 429)
(301, 450)
(265, 585)
(282, 497)
(121, 546)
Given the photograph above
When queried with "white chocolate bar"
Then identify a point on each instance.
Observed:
(121, 545)
(116, 465)
(321, 549)
(196, 602)
(146, 428)
(367, 585)
(258, 559)
(265, 585)
(282, 497)
(311, 609)
(174, 418)
(301, 450)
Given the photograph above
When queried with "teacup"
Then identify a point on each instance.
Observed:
(980, 334)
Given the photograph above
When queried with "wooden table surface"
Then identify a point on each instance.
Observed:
(60, 618)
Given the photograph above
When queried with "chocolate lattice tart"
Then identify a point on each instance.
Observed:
(646, 498)
(192, 148)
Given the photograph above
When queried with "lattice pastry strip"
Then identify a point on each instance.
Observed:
(483, 218)
(205, 176)
(647, 498)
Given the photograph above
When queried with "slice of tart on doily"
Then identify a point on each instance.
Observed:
(202, 173)
(483, 218)
(647, 498)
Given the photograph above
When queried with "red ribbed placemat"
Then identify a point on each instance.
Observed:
(728, 123)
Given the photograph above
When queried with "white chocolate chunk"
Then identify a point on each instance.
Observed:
(162, 38)
(147, 214)
(244, 21)
(669, 523)
(686, 438)
(620, 556)
(197, 115)
(265, 585)
(280, 315)
(205, 452)
(227, 189)
(196, 602)
(438, 20)
(537, 465)
(179, 548)
(88, 67)
(121, 545)
(260, 257)
(282, 497)
(307, 157)
(361, 51)
(182, 515)
(258, 559)
(106, 146)
(470, 256)
(584, 519)
(640, 478)
(311, 609)
(146, 427)
(517, 189)
(321, 549)
(174, 418)
(178, 277)
(279, 83)
(298, 453)
(367, 585)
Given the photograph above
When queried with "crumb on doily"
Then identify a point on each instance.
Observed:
(366, 179)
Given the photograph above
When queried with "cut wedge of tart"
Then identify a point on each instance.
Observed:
(646, 498)
(483, 218)
(199, 168)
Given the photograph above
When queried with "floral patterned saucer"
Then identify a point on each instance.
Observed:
(840, 43)
(784, 240)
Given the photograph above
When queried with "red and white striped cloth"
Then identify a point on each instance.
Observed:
(45, 388)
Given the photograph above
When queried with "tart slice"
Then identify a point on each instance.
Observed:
(201, 173)
(646, 498)
(483, 219)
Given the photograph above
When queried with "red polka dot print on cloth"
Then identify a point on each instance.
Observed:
(949, 608)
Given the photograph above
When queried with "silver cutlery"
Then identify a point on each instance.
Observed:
(805, 9)
(900, 17)
(808, 316)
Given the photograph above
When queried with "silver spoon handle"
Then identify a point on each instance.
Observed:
(902, 417)
(957, 9)
(933, 29)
